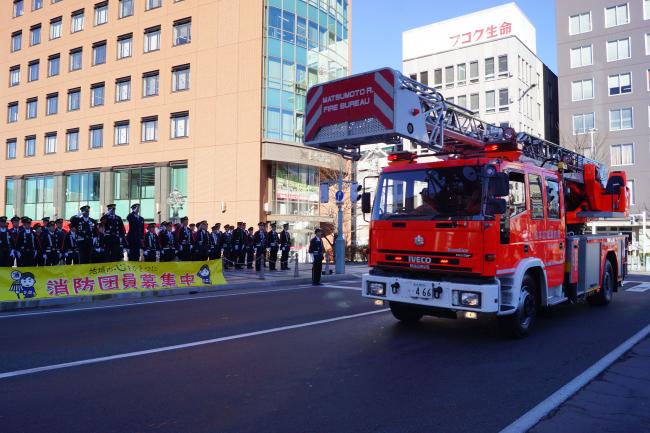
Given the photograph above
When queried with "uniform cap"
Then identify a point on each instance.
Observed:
(84, 208)
(151, 226)
(46, 219)
(26, 220)
(217, 225)
(273, 224)
(110, 206)
(285, 225)
(50, 224)
(15, 218)
(37, 226)
(59, 220)
(318, 230)
(134, 205)
(261, 224)
(185, 218)
(3, 219)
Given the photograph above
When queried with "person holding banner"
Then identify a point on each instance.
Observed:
(60, 236)
(215, 242)
(136, 233)
(85, 232)
(167, 243)
(26, 244)
(150, 243)
(6, 245)
(49, 242)
(114, 235)
(184, 241)
(70, 246)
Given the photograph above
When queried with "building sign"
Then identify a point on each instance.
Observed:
(481, 34)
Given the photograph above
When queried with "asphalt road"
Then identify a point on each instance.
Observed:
(289, 359)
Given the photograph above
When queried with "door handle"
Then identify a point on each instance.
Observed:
(561, 245)
(525, 248)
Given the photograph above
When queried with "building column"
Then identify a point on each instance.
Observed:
(106, 188)
(59, 195)
(161, 176)
(19, 196)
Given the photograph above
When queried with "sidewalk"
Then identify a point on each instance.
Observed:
(617, 401)
(236, 280)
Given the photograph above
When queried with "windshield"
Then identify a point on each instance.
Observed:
(440, 193)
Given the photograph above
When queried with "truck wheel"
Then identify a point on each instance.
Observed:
(404, 313)
(519, 323)
(604, 295)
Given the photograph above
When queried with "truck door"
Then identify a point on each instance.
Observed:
(555, 233)
(514, 223)
(534, 247)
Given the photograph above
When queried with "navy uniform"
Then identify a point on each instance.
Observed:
(238, 242)
(274, 247)
(27, 244)
(184, 241)
(202, 242)
(6, 245)
(13, 232)
(226, 242)
(114, 235)
(285, 247)
(60, 235)
(150, 243)
(98, 254)
(260, 241)
(136, 233)
(167, 243)
(86, 227)
(316, 250)
(215, 242)
(71, 246)
(250, 248)
(51, 250)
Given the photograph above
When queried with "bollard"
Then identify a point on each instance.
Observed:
(296, 272)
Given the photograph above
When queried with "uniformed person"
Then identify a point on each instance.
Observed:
(167, 243)
(98, 254)
(184, 241)
(86, 227)
(26, 244)
(60, 235)
(274, 246)
(38, 232)
(114, 235)
(238, 242)
(226, 241)
(51, 252)
(285, 247)
(260, 241)
(250, 248)
(316, 250)
(71, 245)
(215, 242)
(136, 233)
(150, 243)
(201, 248)
(6, 245)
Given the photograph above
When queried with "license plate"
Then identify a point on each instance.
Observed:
(424, 291)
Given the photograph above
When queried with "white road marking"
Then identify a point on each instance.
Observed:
(183, 346)
(331, 286)
(533, 416)
(643, 287)
(162, 301)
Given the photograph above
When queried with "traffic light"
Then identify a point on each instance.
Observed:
(355, 192)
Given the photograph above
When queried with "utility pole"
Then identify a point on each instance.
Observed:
(339, 244)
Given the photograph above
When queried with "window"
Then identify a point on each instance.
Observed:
(14, 75)
(74, 99)
(152, 39)
(619, 84)
(55, 28)
(30, 145)
(150, 83)
(618, 49)
(646, 9)
(620, 119)
(35, 35)
(580, 23)
(552, 198)
(582, 89)
(462, 100)
(424, 77)
(582, 123)
(183, 31)
(75, 59)
(82, 189)
(12, 112)
(178, 182)
(449, 76)
(96, 136)
(39, 197)
(121, 132)
(124, 46)
(51, 104)
(630, 188)
(149, 127)
(581, 56)
(125, 8)
(18, 8)
(16, 41)
(97, 94)
(413, 77)
(152, 4)
(461, 73)
(473, 102)
(99, 53)
(180, 124)
(101, 13)
(37, 4)
(536, 199)
(50, 143)
(617, 16)
(9, 196)
(53, 65)
(123, 89)
(32, 70)
(504, 101)
(489, 101)
(72, 140)
(77, 21)
(11, 149)
(489, 68)
(437, 77)
(32, 108)
(473, 71)
(647, 42)
(180, 78)
(503, 65)
(136, 185)
(622, 154)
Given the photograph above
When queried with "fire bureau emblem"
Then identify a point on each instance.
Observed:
(419, 240)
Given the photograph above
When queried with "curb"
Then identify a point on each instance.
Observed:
(71, 300)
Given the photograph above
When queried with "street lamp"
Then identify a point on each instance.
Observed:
(176, 201)
(592, 131)
(521, 112)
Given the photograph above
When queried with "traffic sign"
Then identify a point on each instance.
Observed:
(339, 196)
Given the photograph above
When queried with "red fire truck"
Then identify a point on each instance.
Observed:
(491, 223)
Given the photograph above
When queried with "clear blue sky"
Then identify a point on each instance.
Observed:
(377, 26)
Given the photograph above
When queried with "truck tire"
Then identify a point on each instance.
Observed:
(404, 313)
(604, 295)
(519, 324)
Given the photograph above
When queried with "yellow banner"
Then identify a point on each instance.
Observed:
(100, 278)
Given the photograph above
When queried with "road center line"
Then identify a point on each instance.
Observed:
(183, 346)
(332, 286)
(533, 416)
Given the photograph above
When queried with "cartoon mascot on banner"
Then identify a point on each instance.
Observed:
(23, 284)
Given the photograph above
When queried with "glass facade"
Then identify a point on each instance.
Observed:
(178, 182)
(295, 189)
(306, 42)
(39, 197)
(81, 189)
(135, 185)
(9, 198)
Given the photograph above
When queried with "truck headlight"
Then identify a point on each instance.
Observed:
(376, 288)
(466, 299)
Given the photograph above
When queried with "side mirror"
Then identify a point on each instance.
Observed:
(496, 206)
(499, 185)
(365, 202)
